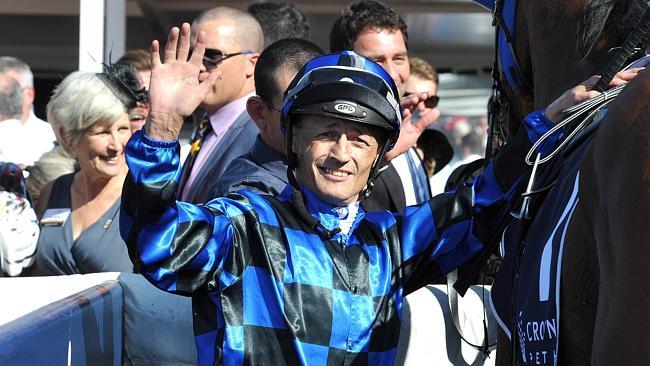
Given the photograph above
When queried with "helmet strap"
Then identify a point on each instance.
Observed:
(291, 156)
(365, 193)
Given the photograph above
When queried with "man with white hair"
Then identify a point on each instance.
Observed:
(41, 136)
(18, 225)
(12, 136)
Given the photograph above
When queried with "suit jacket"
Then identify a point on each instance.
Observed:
(388, 193)
(237, 141)
(263, 170)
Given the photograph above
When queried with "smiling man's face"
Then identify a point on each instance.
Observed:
(334, 157)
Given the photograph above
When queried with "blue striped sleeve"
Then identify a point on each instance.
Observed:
(177, 246)
(442, 235)
(439, 232)
(537, 125)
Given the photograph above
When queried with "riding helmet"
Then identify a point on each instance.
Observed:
(345, 86)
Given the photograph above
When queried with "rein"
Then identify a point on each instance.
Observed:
(638, 37)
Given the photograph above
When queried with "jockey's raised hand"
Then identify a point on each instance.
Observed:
(583, 92)
(178, 85)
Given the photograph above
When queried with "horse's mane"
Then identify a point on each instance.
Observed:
(615, 18)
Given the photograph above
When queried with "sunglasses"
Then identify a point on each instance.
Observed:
(213, 57)
(430, 102)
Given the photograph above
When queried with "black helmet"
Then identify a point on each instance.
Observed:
(346, 86)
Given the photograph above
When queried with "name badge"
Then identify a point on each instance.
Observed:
(55, 216)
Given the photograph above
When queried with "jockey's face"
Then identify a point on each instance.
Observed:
(334, 157)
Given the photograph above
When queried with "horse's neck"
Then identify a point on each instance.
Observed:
(555, 55)
(556, 40)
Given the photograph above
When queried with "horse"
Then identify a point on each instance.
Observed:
(593, 309)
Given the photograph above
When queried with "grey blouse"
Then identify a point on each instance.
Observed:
(99, 248)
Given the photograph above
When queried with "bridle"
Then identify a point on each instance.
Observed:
(507, 64)
(503, 19)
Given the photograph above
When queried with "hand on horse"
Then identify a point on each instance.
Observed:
(583, 92)
(177, 85)
(411, 131)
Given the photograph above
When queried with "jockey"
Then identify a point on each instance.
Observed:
(307, 277)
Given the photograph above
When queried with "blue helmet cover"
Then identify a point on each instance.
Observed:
(346, 77)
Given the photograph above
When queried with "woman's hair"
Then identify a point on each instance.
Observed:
(81, 100)
(48, 167)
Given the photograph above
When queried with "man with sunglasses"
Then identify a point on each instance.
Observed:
(433, 146)
(233, 42)
(423, 79)
(308, 277)
(376, 31)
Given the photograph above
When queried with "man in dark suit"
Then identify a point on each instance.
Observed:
(376, 31)
(233, 42)
(264, 168)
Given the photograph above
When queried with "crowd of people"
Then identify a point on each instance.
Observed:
(236, 140)
(305, 186)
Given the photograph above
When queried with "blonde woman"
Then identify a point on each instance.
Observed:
(79, 212)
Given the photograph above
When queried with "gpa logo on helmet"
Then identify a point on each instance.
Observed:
(345, 108)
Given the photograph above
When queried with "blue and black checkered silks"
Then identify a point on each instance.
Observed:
(266, 289)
